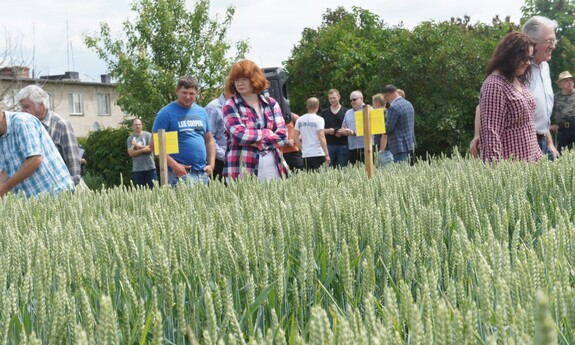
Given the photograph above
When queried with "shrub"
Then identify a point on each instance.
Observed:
(109, 160)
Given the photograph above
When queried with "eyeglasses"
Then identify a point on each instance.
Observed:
(242, 81)
(550, 42)
(353, 99)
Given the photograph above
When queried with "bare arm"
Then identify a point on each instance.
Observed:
(474, 145)
(323, 144)
(297, 139)
(28, 168)
(211, 152)
(383, 143)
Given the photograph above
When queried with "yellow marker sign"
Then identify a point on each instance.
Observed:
(172, 145)
(377, 120)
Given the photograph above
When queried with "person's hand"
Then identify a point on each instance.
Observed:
(208, 169)
(554, 128)
(338, 133)
(327, 160)
(474, 147)
(289, 142)
(181, 170)
(553, 150)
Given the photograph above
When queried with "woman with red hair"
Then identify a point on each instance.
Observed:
(255, 126)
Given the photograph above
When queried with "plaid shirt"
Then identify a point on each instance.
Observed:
(399, 126)
(507, 128)
(63, 137)
(25, 138)
(244, 128)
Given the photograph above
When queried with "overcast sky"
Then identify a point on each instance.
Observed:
(51, 31)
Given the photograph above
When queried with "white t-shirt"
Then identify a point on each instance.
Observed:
(308, 125)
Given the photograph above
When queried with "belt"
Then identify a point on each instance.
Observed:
(189, 170)
(567, 125)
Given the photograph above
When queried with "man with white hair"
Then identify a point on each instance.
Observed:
(36, 101)
(542, 31)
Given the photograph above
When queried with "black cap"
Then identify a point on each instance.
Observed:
(389, 89)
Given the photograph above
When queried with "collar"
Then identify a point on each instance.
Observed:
(47, 119)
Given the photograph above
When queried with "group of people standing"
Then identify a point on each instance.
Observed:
(517, 104)
(243, 132)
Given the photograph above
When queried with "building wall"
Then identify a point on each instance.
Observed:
(59, 90)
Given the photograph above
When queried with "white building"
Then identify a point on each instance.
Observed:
(88, 106)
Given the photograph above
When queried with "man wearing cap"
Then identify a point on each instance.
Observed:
(564, 112)
(399, 124)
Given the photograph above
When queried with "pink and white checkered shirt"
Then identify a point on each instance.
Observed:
(507, 128)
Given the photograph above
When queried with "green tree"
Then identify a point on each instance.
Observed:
(343, 53)
(562, 11)
(165, 41)
(440, 66)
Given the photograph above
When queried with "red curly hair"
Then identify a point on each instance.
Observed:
(246, 69)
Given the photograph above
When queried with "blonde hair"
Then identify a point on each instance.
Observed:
(378, 97)
(312, 104)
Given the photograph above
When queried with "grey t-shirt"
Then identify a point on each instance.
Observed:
(144, 161)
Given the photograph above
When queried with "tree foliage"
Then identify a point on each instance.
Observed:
(163, 42)
(439, 64)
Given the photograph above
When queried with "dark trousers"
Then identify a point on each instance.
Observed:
(294, 160)
(313, 163)
(145, 178)
(565, 138)
(218, 170)
(356, 155)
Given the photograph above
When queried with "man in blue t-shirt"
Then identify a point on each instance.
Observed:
(195, 160)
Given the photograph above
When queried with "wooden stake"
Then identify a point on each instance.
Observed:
(163, 157)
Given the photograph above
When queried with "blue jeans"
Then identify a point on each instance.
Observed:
(339, 155)
(400, 157)
(384, 158)
(145, 178)
(542, 141)
(190, 177)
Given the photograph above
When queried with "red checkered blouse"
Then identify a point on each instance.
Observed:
(245, 128)
(507, 129)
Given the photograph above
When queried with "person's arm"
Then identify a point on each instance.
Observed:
(26, 170)
(217, 125)
(278, 137)
(211, 153)
(550, 145)
(237, 129)
(132, 152)
(492, 121)
(70, 152)
(383, 143)
(297, 139)
(323, 144)
(474, 145)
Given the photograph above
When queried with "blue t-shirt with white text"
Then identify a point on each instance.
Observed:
(192, 125)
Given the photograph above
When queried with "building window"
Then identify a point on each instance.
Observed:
(10, 100)
(75, 102)
(51, 99)
(103, 104)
